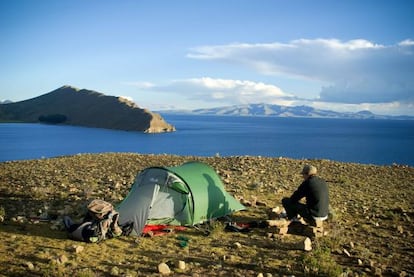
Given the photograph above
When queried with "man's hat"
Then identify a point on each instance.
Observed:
(309, 170)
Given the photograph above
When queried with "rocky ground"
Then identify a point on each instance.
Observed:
(370, 232)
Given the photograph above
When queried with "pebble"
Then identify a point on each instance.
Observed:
(78, 248)
(347, 253)
(62, 259)
(181, 265)
(115, 271)
(164, 269)
(307, 244)
(30, 265)
(237, 245)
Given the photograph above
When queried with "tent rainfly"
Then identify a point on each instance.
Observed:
(186, 195)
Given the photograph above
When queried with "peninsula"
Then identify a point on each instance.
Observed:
(82, 107)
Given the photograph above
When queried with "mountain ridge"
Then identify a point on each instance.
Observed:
(261, 109)
(83, 107)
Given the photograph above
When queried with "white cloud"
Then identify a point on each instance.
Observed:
(143, 85)
(357, 71)
(407, 42)
(182, 94)
(337, 44)
(390, 108)
(223, 91)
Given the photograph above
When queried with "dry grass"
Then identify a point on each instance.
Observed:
(371, 232)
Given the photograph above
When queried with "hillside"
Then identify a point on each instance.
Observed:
(69, 105)
(285, 111)
(369, 234)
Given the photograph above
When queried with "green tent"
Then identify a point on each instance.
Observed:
(185, 195)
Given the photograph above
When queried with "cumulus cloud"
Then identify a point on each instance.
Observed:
(143, 85)
(356, 71)
(223, 91)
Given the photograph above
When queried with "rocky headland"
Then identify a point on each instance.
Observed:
(82, 107)
(369, 233)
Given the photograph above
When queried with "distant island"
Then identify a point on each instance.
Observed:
(283, 111)
(82, 107)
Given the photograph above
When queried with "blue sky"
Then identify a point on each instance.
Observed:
(342, 55)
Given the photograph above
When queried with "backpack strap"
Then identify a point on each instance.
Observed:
(107, 227)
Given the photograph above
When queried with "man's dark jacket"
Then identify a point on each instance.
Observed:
(316, 192)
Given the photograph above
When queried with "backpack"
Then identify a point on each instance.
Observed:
(104, 220)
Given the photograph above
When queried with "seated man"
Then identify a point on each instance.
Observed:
(315, 190)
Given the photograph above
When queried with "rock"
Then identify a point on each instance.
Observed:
(30, 265)
(62, 259)
(254, 201)
(276, 210)
(78, 248)
(246, 202)
(261, 203)
(278, 222)
(181, 265)
(20, 219)
(237, 245)
(274, 213)
(280, 230)
(164, 269)
(346, 252)
(294, 242)
(314, 232)
(306, 244)
(115, 271)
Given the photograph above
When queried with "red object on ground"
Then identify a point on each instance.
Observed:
(161, 230)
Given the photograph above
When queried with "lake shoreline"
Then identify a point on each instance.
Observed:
(356, 141)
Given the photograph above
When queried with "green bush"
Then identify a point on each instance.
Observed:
(320, 262)
(53, 118)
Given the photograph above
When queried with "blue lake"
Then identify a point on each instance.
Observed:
(363, 141)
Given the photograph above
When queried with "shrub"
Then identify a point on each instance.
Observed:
(320, 263)
(53, 118)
